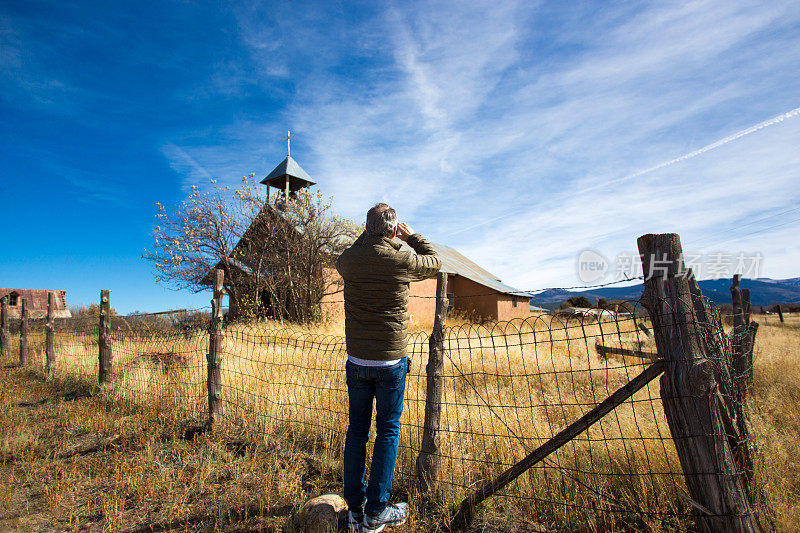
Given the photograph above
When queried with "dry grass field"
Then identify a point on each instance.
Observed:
(507, 390)
(776, 417)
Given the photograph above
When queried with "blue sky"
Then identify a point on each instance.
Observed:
(518, 132)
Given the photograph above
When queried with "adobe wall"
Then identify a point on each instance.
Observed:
(473, 298)
(507, 311)
(470, 297)
(333, 304)
(421, 301)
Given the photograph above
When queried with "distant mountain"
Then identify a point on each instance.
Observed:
(763, 291)
(794, 282)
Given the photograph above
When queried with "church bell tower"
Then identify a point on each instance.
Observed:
(288, 177)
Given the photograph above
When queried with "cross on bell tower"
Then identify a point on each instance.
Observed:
(288, 139)
(288, 176)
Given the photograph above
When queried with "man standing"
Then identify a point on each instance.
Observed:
(376, 277)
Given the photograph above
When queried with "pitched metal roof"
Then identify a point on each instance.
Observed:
(288, 167)
(36, 302)
(453, 262)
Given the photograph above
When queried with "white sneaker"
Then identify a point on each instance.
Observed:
(394, 514)
(354, 521)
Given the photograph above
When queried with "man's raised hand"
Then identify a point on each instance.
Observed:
(404, 231)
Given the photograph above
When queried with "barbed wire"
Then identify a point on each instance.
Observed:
(522, 293)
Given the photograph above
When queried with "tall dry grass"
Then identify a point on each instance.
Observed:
(508, 388)
(775, 409)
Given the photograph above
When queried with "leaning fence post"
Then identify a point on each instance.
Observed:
(106, 357)
(4, 348)
(428, 459)
(214, 375)
(23, 332)
(780, 313)
(690, 393)
(50, 344)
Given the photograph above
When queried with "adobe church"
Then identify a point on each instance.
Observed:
(471, 289)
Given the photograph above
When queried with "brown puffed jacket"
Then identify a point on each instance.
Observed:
(376, 276)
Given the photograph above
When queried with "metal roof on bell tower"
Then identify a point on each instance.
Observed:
(288, 175)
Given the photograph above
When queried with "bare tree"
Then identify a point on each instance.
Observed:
(291, 248)
(276, 256)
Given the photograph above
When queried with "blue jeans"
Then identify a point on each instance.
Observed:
(387, 385)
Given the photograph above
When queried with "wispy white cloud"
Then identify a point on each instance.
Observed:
(186, 165)
(459, 115)
(589, 187)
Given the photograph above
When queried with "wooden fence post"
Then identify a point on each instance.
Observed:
(5, 350)
(743, 336)
(428, 459)
(690, 393)
(50, 344)
(743, 339)
(214, 374)
(752, 329)
(780, 313)
(23, 333)
(713, 343)
(106, 357)
(738, 317)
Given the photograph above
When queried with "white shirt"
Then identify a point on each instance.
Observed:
(370, 362)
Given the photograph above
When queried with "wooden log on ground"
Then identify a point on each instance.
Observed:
(427, 465)
(89, 444)
(690, 393)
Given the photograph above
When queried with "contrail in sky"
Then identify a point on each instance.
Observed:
(173, 152)
(738, 135)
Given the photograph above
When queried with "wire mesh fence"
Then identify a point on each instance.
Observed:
(35, 340)
(511, 387)
(163, 368)
(508, 388)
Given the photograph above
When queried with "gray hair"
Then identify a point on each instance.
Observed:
(381, 220)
